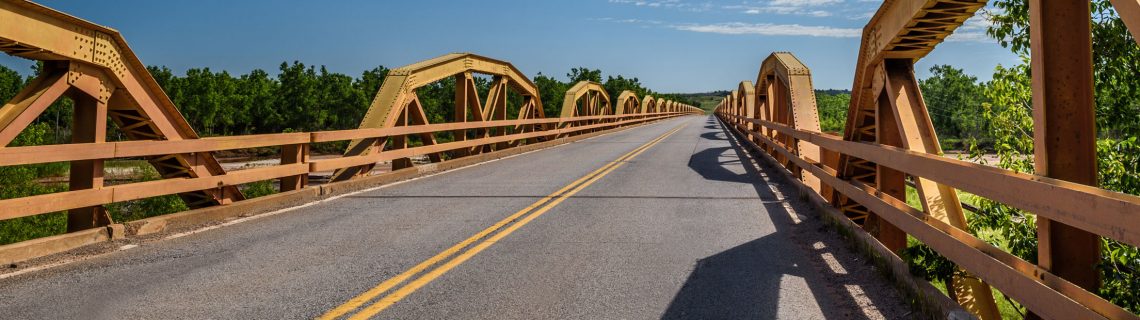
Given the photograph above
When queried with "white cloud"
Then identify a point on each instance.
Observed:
(819, 13)
(787, 7)
(973, 30)
(669, 4)
(803, 3)
(769, 29)
(634, 21)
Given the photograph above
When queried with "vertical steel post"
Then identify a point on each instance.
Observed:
(89, 125)
(400, 142)
(461, 104)
(890, 181)
(1064, 129)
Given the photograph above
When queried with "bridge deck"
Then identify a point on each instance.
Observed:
(684, 230)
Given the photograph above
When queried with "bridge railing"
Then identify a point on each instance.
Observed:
(889, 138)
(294, 162)
(1106, 213)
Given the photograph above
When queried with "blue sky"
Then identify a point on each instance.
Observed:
(671, 45)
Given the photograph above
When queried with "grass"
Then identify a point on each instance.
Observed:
(259, 188)
(1007, 309)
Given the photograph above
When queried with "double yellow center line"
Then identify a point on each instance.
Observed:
(466, 250)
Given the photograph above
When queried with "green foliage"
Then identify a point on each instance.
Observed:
(615, 85)
(146, 207)
(927, 263)
(584, 74)
(705, 100)
(1015, 230)
(22, 181)
(1116, 61)
(300, 98)
(259, 189)
(310, 98)
(1119, 170)
(832, 109)
(1115, 66)
(551, 91)
(1010, 115)
(10, 83)
(954, 100)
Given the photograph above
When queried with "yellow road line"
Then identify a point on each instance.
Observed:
(363, 298)
(399, 294)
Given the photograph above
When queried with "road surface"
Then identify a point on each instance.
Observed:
(660, 221)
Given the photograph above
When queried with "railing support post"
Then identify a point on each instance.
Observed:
(89, 125)
(890, 181)
(1064, 129)
(291, 154)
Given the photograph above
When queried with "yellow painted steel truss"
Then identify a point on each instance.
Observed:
(93, 66)
(396, 104)
(586, 98)
(628, 103)
(889, 139)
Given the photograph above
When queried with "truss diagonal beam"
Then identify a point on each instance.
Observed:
(96, 61)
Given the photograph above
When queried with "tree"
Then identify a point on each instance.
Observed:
(259, 102)
(615, 85)
(370, 81)
(551, 91)
(298, 98)
(1115, 64)
(337, 95)
(10, 83)
(584, 74)
(832, 110)
(954, 100)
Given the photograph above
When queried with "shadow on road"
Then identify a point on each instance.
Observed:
(738, 283)
(744, 282)
(713, 136)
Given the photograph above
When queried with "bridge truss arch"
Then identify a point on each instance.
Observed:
(586, 98)
(396, 104)
(628, 103)
(784, 90)
(648, 104)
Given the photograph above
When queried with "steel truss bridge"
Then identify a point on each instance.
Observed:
(634, 189)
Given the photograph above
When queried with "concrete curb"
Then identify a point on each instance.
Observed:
(923, 295)
(35, 248)
(249, 207)
(41, 247)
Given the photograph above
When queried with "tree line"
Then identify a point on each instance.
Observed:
(304, 97)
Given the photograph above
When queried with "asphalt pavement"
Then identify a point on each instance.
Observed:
(686, 228)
